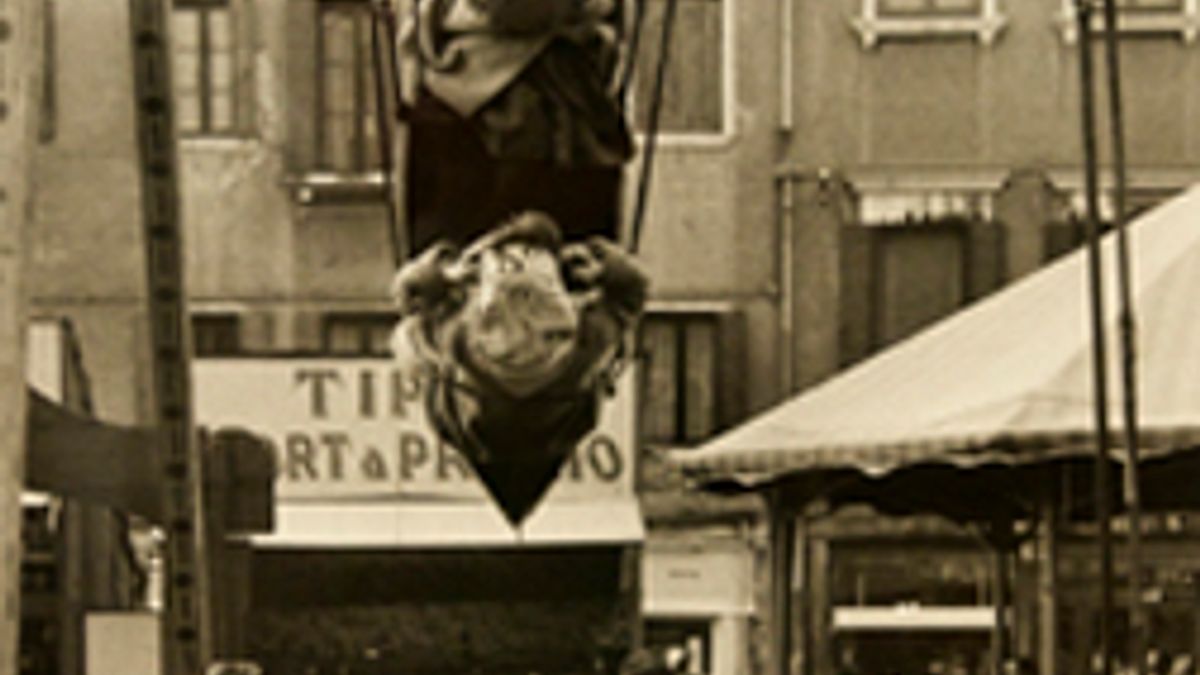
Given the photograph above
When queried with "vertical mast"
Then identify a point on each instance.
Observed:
(184, 638)
(20, 66)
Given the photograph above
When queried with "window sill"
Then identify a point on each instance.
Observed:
(1185, 24)
(873, 29)
(323, 187)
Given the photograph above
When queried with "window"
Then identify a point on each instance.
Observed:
(695, 87)
(205, 69)
(358, 334)
(216, 334)
(347, 140)
(935, 573)
(1141, 17)
(679, 377)
(880, 19)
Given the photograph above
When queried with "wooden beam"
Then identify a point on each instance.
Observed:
(20, 71)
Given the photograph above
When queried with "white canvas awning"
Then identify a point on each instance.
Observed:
(1007, 380)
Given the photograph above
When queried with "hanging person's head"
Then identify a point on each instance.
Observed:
(520, 325)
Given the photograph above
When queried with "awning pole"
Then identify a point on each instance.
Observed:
(783, 544)
(1002, 542)
(1128, 344)
(1083, 15)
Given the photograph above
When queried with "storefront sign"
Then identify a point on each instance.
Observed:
(355, 429)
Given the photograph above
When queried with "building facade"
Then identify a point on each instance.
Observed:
(829, 177)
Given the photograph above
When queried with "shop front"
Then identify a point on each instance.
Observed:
(389, 556)
(698, 598)
(912, 605)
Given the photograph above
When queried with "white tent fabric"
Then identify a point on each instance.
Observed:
(1007, 380)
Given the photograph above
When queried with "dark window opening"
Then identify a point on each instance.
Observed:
(216, 334)
(358, 334)
(679, 377)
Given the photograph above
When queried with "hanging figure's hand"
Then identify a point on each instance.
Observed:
(599, 263)
(429, 282)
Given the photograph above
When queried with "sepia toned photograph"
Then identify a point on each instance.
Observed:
(599, 337)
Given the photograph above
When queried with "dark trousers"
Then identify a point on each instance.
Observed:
(457, 191)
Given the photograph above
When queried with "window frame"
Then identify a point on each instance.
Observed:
(222, 346)
(363, 170)
(1183, 22)
(363, 322)
(874, 25)
(680, 317)
(728, 127)
(235, 128)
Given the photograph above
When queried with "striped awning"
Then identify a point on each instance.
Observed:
(1007, 380)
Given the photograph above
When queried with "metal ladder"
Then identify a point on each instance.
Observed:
(184, 640)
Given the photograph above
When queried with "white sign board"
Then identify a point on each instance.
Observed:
(122, 643)
(354, 432)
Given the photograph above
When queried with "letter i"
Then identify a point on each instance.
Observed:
(366, 393)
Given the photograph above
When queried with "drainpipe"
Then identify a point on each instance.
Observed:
(787, 44)
(785, 217)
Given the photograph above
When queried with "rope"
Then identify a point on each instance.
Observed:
(639, 209)
(384, 134)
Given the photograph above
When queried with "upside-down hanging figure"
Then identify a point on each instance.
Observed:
(519, 337)
(518, 303)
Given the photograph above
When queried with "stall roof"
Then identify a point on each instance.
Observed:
(1005, 381)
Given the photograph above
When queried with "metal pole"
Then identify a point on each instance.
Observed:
(1083, 11)
(1128, 346)
(651, 135)
(783, 545)
(19, 69)
(383, 128)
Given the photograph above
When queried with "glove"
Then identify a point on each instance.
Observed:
(427, 282)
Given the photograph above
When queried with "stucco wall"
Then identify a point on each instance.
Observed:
(952, 101)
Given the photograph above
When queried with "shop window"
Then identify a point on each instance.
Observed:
(204, 49)
(692, 637)
(695, 89)
(37, 529)
(883, 19)
(1141, 17)
(347, 137)
(358, 334)
(680, 356)
(216, 334)
(923, 573)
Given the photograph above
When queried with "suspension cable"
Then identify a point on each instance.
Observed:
(651, 143)
(383, 124)
(631, 50)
